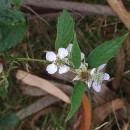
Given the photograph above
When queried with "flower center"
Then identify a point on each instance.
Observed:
(84, 75)
(59, 62)
(98, 77)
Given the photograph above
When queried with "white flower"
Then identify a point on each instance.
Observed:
(93, 78)
(1, 68)
(57, 61)
(52, 68)
(69, 48)
(83, 73)
(97, 77)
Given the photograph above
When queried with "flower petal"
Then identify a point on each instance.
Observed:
(101, 67)
(69, 48)
(82, 66)
(62, 53)
(89, 83)
(50, 56)
(82, 56)
(51, 69)
(76, 78)
(106, 76)
(63, 69)
(1, 68)
(96, 86)
(92, 71)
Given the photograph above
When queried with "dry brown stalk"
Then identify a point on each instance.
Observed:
(119, 8)
(77, 7)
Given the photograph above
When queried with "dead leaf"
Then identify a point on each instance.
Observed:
(43, 84)
(69, 76)
(35, 91)
(102, 97)
(30, 90)
(37, 106)
(100, 113)
(65, 88)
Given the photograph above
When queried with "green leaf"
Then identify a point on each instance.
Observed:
(10, 120)
(104, 52)
(65, 30)
(11, 35)
(76, 53)
(3, 91)
(11, 17)
(12, 28)
(4, 87)
(76, 98)
(5, 4)
(17, 3)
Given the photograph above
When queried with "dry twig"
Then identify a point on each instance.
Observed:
(120, 10)
(56, 5)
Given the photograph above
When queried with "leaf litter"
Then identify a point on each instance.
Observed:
(109, 104)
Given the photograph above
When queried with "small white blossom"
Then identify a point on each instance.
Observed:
(50, 56)
(57, 61)
(93, 78)
(83, 73)
(69, 48)
(62, 53)
(51, 69)
(79, 72)
(63, 69)
(97, 77)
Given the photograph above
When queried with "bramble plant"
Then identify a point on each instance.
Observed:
(67, 57)
(13, 27)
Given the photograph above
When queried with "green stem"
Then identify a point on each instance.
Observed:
(23, 59)
(30, 59)
(8, 72)
(89, 96)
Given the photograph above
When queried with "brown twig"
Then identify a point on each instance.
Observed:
(77, 7)
(120, 10)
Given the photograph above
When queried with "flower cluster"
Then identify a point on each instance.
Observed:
(63, 63)
(59, 61)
